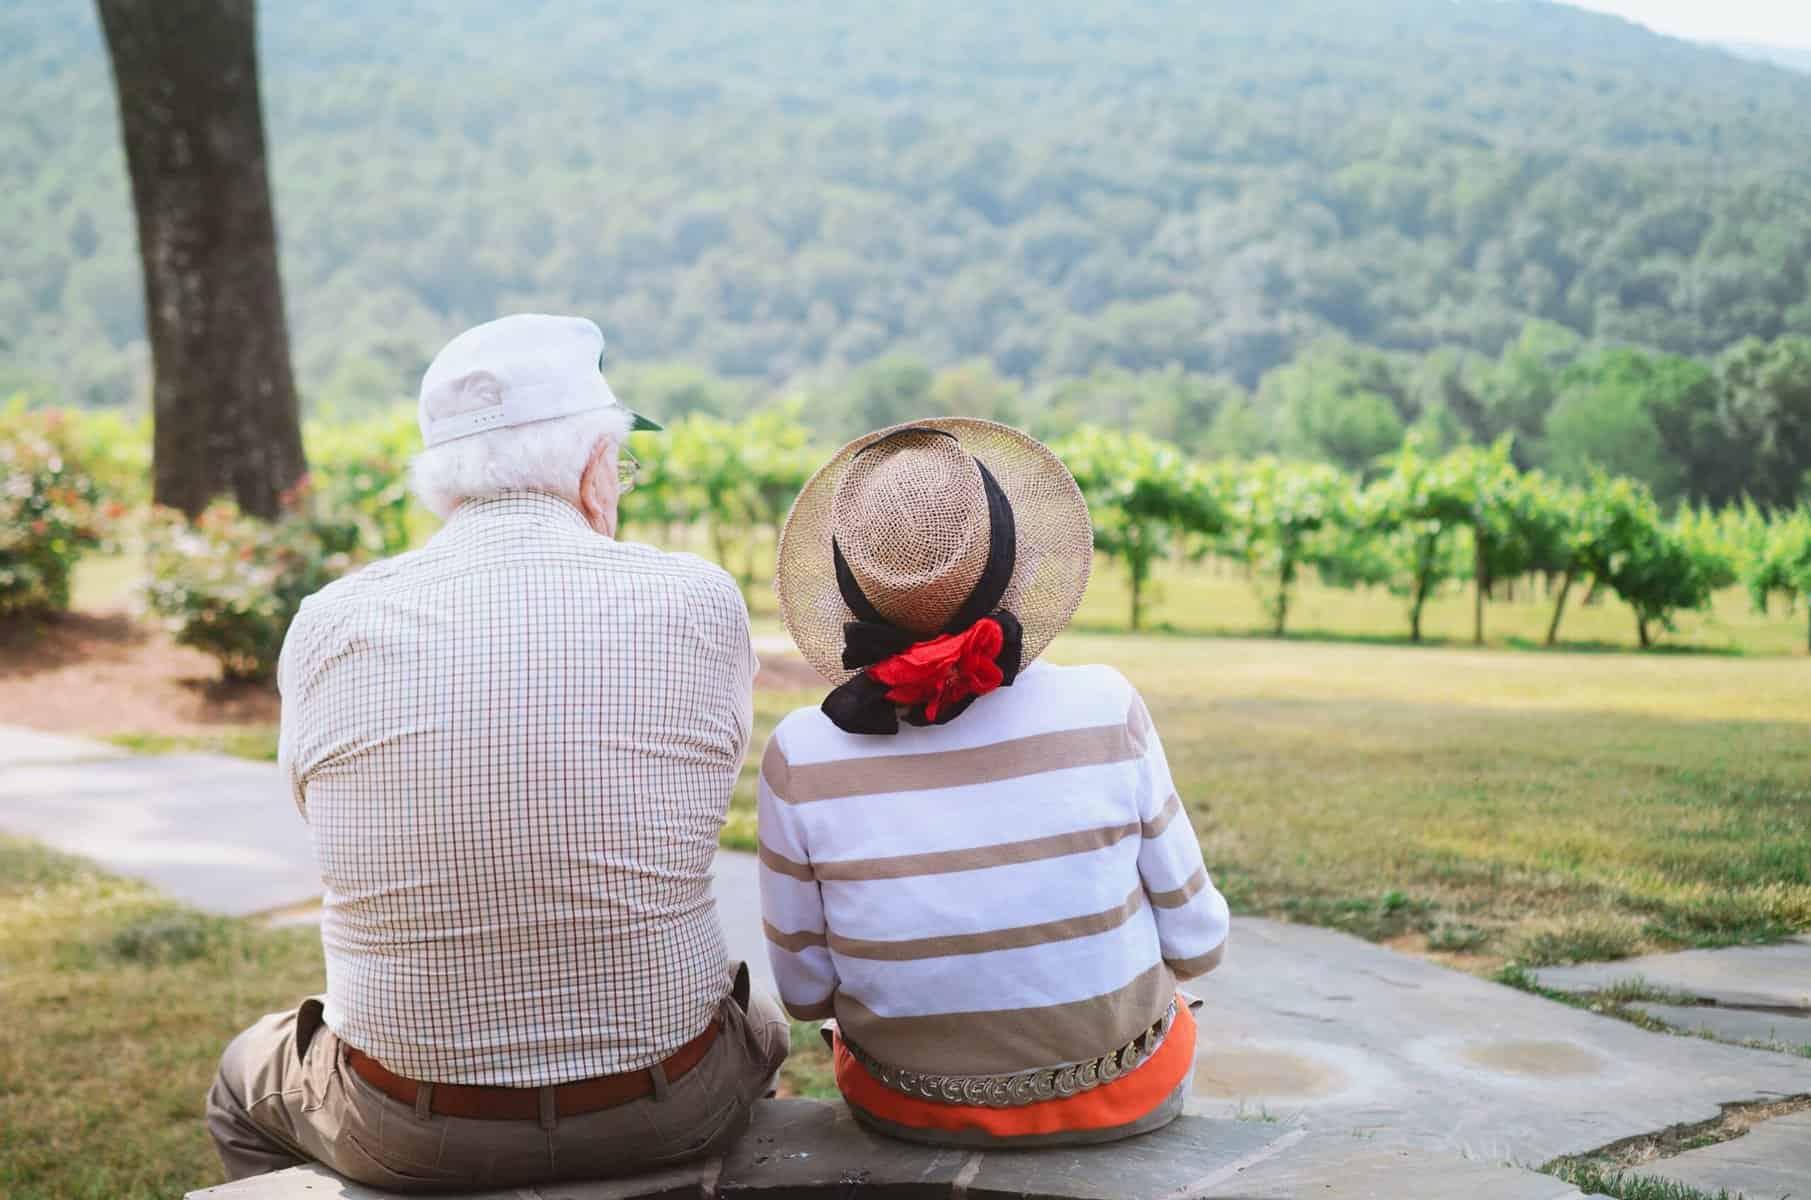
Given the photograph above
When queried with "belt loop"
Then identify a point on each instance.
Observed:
(658, 1073)
(550, 1109)
(424, 1101)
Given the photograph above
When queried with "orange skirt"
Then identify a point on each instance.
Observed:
(1121, 1102)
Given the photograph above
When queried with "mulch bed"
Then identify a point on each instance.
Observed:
(107, 673)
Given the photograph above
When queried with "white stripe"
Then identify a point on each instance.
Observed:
(1169, 861)
(979, 901)
(908, 822)
(1054, 973)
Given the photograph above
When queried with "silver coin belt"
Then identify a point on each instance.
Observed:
(1023, 1087)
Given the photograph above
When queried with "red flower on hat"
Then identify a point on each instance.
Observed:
(945, 670)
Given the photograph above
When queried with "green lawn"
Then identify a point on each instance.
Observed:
(1533, 807)
(118, 1004)
(1214, 597)
(1493, 805)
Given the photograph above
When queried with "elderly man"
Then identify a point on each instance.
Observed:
(515, 747)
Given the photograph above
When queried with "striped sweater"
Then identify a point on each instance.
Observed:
(1017, 889)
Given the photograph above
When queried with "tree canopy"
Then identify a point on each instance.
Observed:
(781, 191)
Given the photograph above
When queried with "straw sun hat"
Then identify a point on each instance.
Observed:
(926, 563)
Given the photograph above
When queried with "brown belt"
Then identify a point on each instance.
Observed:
(524, 1103)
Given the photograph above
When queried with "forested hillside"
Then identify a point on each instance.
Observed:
(771, 190)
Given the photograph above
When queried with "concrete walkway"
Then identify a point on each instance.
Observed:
(216, 832)
(1776, 978)
(1386, 1054)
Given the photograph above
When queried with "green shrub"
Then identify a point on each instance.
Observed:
(176, 936)
(229, 584)
(362, 467)
(50, 512)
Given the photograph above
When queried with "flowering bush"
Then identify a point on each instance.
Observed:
(229, 584)
(50, 512)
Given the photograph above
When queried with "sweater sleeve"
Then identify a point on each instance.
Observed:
(792, 907)
(1192, 919)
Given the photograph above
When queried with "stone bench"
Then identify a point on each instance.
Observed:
(804, 1148)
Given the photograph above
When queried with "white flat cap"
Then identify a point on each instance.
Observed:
(516, 371)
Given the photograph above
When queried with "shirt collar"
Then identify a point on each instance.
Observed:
(537, 508)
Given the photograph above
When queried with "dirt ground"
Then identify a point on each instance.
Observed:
(107, 673)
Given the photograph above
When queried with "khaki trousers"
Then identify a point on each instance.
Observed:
(284, 1096)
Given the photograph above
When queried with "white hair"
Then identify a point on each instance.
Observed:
(546, 456)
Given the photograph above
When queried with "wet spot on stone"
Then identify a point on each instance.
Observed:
(1537, 1059)
(1238, 1072)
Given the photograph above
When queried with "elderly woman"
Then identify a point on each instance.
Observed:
(975, 862)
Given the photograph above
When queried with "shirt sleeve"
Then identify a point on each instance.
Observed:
(293, 670)
(719, 620)
(1192, 918)
(792, 906)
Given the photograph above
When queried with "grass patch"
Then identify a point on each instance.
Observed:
(1214, 597)
(1375, 919)
(1616, 1001)
(808, 1071)
(1545, 807)
(117, 1008)
(1586, 939)
(178, 936)
(118, 1005)
(1615, 1170)
(1594, 1180)
(256, 742)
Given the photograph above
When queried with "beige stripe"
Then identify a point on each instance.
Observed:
(983, 1043)
(776, 770)
(1177, 897)
(1201, 964)
(1138, 724)
(1093, 746)
(823, 1010)
(1171, 807)
(773, 860)
(795, 942)
(941, 862)
(1017, 937)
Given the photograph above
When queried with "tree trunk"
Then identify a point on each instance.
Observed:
(1559, 608)
(1137, 597)
(223, 399)
(1424, 582)
(1479, 587)
(1808, 622)
(1641, 631)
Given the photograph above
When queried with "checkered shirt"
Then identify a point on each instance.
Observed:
(515, 748)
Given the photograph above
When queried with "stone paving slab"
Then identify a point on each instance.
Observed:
(1772, 1161)
(217, 832)
(1341, 1166)
(1344, 1035)
(1734, 1024)
(1738, 976)
(809, 1148)
(318, 1183)
(1309, 1024)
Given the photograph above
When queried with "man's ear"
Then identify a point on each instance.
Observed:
(597, 488)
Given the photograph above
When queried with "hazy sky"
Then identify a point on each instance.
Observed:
(1772, 22)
